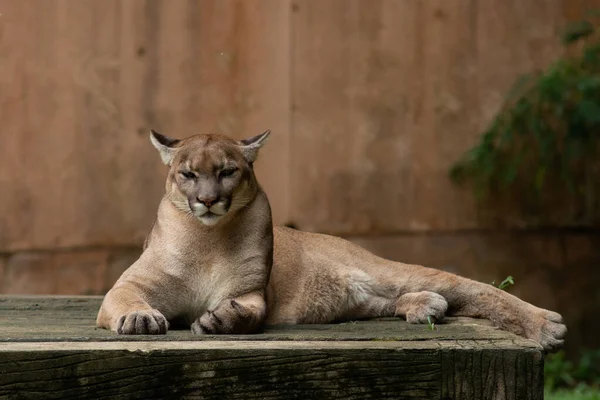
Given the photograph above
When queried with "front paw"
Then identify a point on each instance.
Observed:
(230, 317)
(146, 322)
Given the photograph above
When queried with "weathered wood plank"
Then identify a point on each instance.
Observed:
(278, 370)
(511, 374)
(50, 349)
(222, 371)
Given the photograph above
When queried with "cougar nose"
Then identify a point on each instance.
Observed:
(207, 201)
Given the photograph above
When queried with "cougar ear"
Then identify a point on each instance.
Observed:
(165, 146)
(250, 146)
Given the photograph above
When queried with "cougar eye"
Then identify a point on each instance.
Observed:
(188, 174)
(227, 172)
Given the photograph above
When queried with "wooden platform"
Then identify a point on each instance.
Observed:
(51, 349)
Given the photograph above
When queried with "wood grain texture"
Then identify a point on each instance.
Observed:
(484, 375)
(223, 374)
(274, 370)
(49, 349)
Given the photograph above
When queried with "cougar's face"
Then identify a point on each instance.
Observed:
(210, 175)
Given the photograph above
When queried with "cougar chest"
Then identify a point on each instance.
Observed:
(208, 289)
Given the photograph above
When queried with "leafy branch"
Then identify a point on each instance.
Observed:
(542, 149)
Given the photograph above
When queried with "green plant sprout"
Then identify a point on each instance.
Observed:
(431, 324)
(509, 281)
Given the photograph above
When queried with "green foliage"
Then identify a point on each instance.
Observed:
(509, 281)
(579, 393)
(543, 148)
(582, 376)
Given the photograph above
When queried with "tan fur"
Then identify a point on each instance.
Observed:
(235, 274)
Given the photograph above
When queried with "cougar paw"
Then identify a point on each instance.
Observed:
(146, 322)
(417, 307)
(547, 329)
(230, 317)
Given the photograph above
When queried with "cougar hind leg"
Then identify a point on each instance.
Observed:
(370, 300)
(465, 297)
(415, 308)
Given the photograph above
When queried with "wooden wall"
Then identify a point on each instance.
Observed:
(82, 81)
(405, 88)
(370, 102)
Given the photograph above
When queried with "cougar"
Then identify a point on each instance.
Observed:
(214, 262)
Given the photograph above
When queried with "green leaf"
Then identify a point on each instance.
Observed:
(430, 323)
(509, 281)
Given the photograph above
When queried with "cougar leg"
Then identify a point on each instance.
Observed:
(124, 311)
(466, 297)
(415, 308)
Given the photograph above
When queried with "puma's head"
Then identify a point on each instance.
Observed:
(210, 175)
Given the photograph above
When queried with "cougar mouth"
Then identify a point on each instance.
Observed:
(209, 218)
